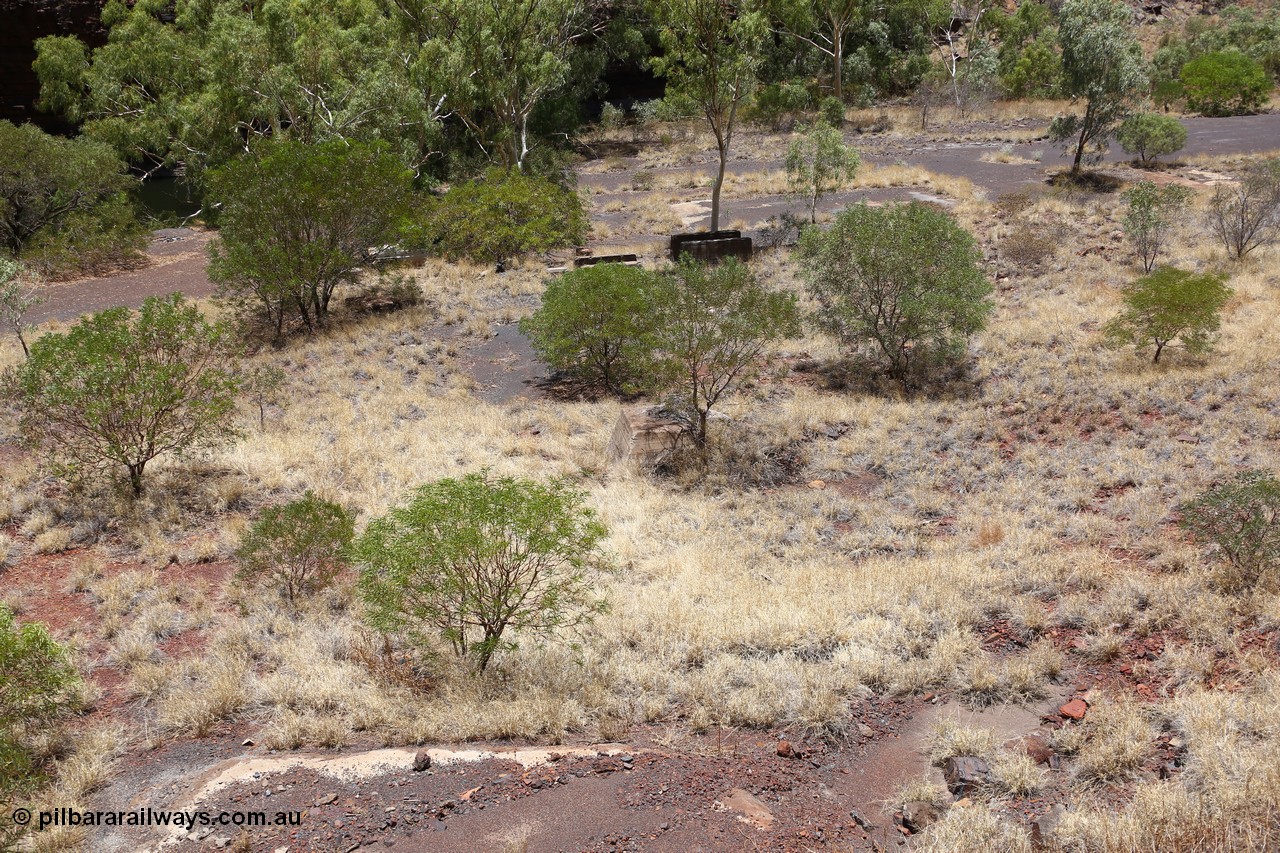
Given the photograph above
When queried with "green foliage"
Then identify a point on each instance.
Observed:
(1102, 65)
(298, 221)
(818, 163)
(831, 112)
(505, 215)
(17, 297)
(1225, 83)
(1246, 214)
(58, 196)
(1151, 213)
(474, 560)
(120, 390)
(1151, 135)
(299, 547)
(1241, 518)
(711, 55)
(1030, 65)
(38, 684)
(713, 324)
(1170, 304)
(904, 280)
(597, 323)
(777, 102)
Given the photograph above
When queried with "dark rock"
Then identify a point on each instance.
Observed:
(1042, 828)
(861, 821)
(1038, 750)
(422, 761)
(918, 814)
(965, 774)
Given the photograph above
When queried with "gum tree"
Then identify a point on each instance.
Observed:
(711, 53)
(1151, 213)
(818, 163)
(1102, 66)
(1167, 305)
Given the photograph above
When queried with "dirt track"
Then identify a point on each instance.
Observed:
(178, 256)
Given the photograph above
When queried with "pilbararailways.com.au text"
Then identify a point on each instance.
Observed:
(153, 817)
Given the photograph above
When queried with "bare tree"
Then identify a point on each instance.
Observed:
(1246, 214)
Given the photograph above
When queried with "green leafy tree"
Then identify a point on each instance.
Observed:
(1102, 65)
(17, 297)
(299, 547)
(713, 325)
(298, 222)
(45, 181)
(1167, 305)
(1151, 213)
(1151, 135)
(818, 163)
(824, 26)
(38, 685)
(474, 560)
(1225, 83)
(1241, 518)
(1030, 64)
(904, 280)
(711, 54)
(197, 86)
(597, 323)
(504, 215)
(120, 390)
(1245, 214)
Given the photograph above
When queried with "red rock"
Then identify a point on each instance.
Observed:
(785, 749)
(1074, 710)
(1038, 750)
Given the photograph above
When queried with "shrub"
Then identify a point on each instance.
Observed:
(472, 560)
(1151, 135)
(1225, 83)
(1170, 304)
(37, 685)
(504, 215)
(1246, 214)
(712, 325)
(775, 103)
(597, 323)
(818, 163)
(299, 221)
(120, 390)
(299, 547)
(831, 111)
(49, 184)
(1027, 247)
(1150, 215)
(17, 297)
(1241, 518)
(904, 280)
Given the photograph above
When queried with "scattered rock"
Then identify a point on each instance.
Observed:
(750, 808)
(817, 484)
(247, 742)
(1075, 709)
(918, 814)
(220, 841)
(422, 761)
(1038, 750)
(1042, 828)
(965, 774)
(324, 801)
(865, 730)
(785, 749)
(861, 821)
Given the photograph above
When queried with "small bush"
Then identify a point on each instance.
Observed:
(299, 547)
(596, 323)
(504, 215)
(1241, 519)
(1151, 135)
(1225, 83)
(1170, 304)
(1027, 247)
(831, 111)
(1151, 214)
(471, 561)
(37, 685)
(777, 102)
